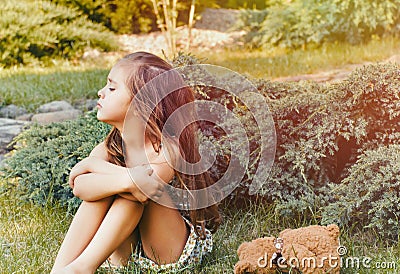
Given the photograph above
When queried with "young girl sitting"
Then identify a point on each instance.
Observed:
(119, 218)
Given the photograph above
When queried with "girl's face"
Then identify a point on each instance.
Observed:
(114, 99)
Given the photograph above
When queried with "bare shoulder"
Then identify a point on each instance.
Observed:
(164, 166)
(100, 151)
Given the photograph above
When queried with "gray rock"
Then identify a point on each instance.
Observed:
(217, 19)
(55, 106)
(91, 54)
(1, 160)
(86, 105)
(56, 116)
(25, 117)
(9, 128)
(12, 111)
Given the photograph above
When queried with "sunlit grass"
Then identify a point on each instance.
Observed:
(71, 81)
(34, 89)
(274, 63)
(31, 235)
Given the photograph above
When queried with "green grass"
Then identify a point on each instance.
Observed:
(31, 88)
(31, 235)
(274, 63)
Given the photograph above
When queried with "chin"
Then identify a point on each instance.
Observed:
(101, 119)
(105, 121)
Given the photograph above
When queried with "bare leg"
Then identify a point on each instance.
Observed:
(119, 222)
(122, 254)
(81, 231)
(163, 233)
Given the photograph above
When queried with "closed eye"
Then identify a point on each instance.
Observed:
(111, 89)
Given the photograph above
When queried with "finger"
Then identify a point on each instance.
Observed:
(142, 199)
(145, 202)
(71, 183)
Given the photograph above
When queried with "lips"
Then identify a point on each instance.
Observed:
(99, 105)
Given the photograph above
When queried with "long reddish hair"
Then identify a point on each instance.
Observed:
(144, 67)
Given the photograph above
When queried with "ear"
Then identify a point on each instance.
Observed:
(333, 230)
(242, 247)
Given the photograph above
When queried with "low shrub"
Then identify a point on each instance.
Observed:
(45, 154)
(321, 135)
(32, 32)
(370, 194)
(299, 23)
(118, 16)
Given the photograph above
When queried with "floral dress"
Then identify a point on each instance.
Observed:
(193, 252)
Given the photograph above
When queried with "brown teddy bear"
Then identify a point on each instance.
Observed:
(312, 249)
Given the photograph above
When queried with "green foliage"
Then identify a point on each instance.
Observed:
(33, 31)
(44, 156)
(95, 10)
(250, 21)
(298, 23)
(128, 16)
(246, 4)
(132, 16)
(321, 133)
(370, 193)
(125, 16)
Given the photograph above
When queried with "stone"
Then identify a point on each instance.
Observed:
(1, 160)
(217, 19)
(9, 128)
(56, 116)
(25, 117)
(91, 54)
(12, 111)
(86, 105)
(55, 106)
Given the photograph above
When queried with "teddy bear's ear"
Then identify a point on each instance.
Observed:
(284, 231)
(333, 230)
(242, 248)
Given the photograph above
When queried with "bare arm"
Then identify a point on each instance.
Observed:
(94, 178)
(96, 162)
(96, 186)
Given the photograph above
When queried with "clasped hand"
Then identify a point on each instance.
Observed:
(145, 184)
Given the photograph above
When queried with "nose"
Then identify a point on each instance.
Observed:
(100, 93)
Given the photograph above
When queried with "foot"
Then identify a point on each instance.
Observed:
(110, 263)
